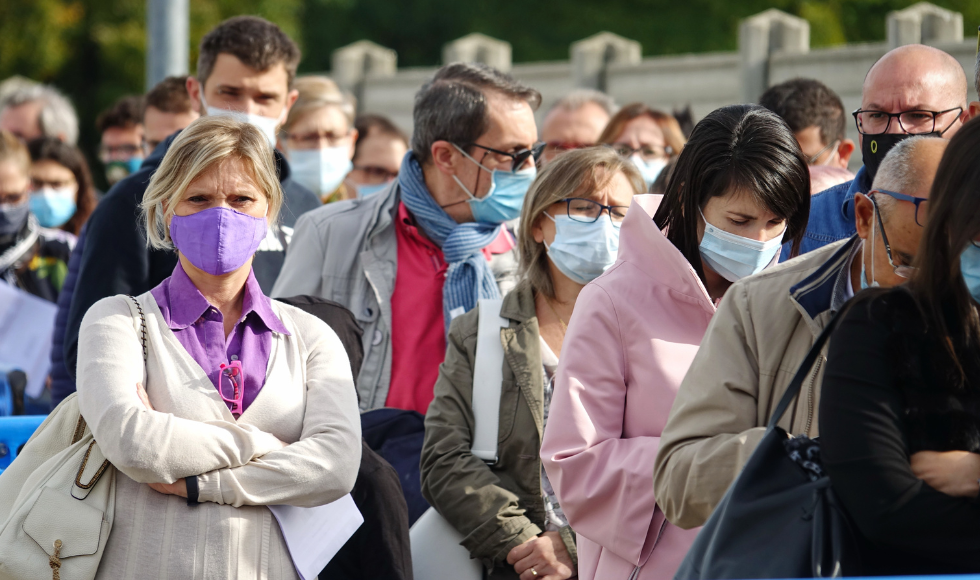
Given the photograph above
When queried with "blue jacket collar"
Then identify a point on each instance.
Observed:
(860, 184)
(815, 293)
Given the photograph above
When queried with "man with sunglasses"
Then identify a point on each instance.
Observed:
(425, 249)
(764, 328)
(911, 90)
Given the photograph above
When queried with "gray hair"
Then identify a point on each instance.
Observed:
(580, 97)
(453, 105)
(899, 171)
(57, 117)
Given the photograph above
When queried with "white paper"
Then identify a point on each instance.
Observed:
(26, 325)
(315, 535)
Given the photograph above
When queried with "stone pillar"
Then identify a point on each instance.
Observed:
(924, 23)
(759, 37)
(480, 48)
(592, 56)
(355, 62)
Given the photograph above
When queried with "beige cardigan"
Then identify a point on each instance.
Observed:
(308, 401)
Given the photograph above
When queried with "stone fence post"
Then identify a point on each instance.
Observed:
(924, 23)
(592, 56)
(480, 48)
(759, 37)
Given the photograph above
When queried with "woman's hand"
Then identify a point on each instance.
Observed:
(542, 558)
(141, 393)
(178, 488)
(954, 473)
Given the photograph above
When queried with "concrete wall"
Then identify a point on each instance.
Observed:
(704, 81)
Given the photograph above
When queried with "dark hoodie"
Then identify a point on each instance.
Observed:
(116, 260)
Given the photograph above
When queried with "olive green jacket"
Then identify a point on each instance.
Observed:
(495, 507)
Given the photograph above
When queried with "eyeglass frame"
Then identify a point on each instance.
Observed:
(935, 115)
(903, 197)
(667, 149)
(811, 161)
(232, 370)
(603, 208)
(518, 158)
(909, 270)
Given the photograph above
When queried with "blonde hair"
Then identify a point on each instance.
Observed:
(316, 92)
(579, 173)
(203, 144)
(673, 136)
(12, 150)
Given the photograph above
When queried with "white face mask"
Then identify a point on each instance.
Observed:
(734, 257)
(267, 125)
(320, 170)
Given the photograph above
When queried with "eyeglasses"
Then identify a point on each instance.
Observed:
(562, 146)
(589, 211)
(915, 122)
(901, 270)
(115, 152)
(921, 204)
(646, 151)
(518, 158)
(830, 147)
(236, 377)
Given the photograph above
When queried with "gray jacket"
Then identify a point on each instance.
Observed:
(347, 252)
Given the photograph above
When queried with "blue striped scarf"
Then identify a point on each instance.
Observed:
(469, 278)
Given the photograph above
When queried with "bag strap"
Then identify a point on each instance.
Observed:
(488, 378)
(80, 425)
(811, 357)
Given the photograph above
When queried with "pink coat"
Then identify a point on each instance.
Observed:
(630, 341)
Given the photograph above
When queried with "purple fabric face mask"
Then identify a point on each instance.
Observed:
(218, 240)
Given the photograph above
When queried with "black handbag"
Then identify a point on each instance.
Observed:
(780, 518)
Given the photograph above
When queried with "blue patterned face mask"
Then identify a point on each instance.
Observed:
(734, 257)
(506, 196)
(583, 251)
(970, 268)
(371, 188)
(53, 206)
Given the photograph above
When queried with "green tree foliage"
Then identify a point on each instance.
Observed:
(543, 30)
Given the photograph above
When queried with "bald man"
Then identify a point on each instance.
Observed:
(909, 78)
(764, 328)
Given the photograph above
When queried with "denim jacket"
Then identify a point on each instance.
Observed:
(831, 215)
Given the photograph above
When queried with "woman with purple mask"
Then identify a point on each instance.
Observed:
(242, 402)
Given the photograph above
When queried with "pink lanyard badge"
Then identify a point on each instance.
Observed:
(236, 376)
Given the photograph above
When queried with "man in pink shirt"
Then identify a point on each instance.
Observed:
(407, 260)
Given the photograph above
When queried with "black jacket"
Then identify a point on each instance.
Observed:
(116, 259)
(891, 389)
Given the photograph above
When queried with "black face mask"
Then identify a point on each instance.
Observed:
(875, 147)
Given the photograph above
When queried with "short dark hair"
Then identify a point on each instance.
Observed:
(371, 124)
(740, 147)
(169, 95)
(255, 41)
(453, 105)
(125, 113)
(806, 103)
(69, 156)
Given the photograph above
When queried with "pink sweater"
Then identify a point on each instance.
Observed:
(634, 333)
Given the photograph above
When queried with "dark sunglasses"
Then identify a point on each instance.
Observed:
(519, 157)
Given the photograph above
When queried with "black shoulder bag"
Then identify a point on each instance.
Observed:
(778, 519)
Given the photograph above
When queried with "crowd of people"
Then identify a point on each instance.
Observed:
(281, 301)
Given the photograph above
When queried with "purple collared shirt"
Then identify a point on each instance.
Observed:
(200, 329)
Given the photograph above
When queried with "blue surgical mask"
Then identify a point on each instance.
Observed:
(734, 257)
(583, 251)
(371, 188)
(267, 125)
(506, 196)
(116, 171)
(650, 170)
(970, 268)
(53, 206)
(320, 170)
